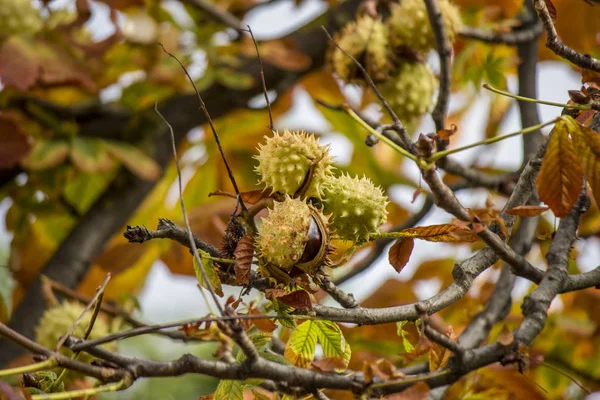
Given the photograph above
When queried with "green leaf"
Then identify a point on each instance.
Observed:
(82, 190)
(90, 155)
(134, 159)
(408, 347)
(46, 154)
(209, 268)
(233, 79)
(7, 284)
(300, 348)
(229, 390)
(274, 357)
(332, 341)
(258, 338)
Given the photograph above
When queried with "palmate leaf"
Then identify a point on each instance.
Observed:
(300, 348)
(560, 178)
(587, 147)
(439, 233)
(229, 390)
(90, 155)
(46, 154)
(133, 159)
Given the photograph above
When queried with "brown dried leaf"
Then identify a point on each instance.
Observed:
(243, 259)
(590, 76)
(560, 178)
(506, 337)
(386, 370)
(439, 233)
(328, 364)
(551, 10)
(299, 299)
(527, 211)
(587, 146)
(400, 253)
(15, 142)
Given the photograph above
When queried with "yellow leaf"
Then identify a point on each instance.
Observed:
(438, 355)
(587, 146)
(560, 178)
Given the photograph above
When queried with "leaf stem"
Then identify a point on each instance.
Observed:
(525, 131)
(217, 259)
(113, 387)
(381, 137)
(49, 363)
(530, 100)
(390, 235)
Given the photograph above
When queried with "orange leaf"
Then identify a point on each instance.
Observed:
(440, 233)
(560, 178)
(263, 324)
(527, 211)
(447, 132)
(587, 146)
(243, 259)
(439, 355)
(400, 253)
(506, 338)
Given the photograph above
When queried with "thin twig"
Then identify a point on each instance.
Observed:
(177, 324)
(512, 38)
(211, 289)
(262, 77)
(444, 50)
(557, 46)
(99, 293)
(212, 127)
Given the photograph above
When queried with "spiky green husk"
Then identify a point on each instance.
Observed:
(19, 16)
(285, 160)
(356, 205)
(409, 24)
(57, 320)
(283, 234)
(367, 41)
(410, 92)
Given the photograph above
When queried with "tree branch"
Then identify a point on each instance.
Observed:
(554, 43)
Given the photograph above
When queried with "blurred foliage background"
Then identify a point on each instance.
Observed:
(82, 154)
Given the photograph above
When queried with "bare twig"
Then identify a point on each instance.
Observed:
(346, 300)
(167, 230)
(191, 240)
(557, 46)
(212, 127)
(444, 50)
(88, 307)
(262, 77)
(515, 37)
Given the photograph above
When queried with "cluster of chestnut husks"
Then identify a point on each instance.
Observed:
(317, 206)
(392, 50)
